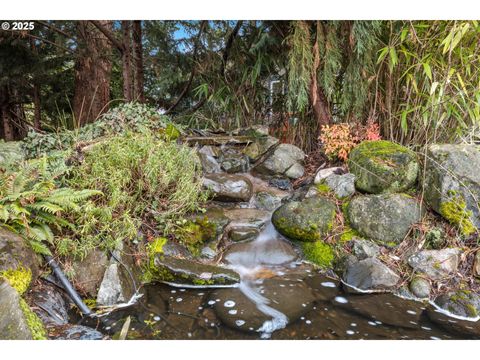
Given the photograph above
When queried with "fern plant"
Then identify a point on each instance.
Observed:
(32, 204)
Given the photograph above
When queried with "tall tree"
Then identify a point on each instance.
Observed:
(93, 68)
(139, 93)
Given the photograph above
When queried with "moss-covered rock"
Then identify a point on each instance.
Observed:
(452, 184)
(436, 264)
(184, 271)
(386, 218)
(383, 167)
(308, 220)
(259, 147)
(462, 303)
(318, 253)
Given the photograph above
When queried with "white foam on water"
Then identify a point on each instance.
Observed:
(350, 332)
(328, 284)
(239, 322)
(341, 299)
(232, 312)
(229, 303)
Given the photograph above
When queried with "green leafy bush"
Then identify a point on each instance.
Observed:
(31, 203)
(125, 117)
(145, 179)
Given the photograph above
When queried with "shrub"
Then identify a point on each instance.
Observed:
(146, 180)
(31, 203)
(339, 139)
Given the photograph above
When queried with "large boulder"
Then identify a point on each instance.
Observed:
(452, 184)
(436, 264)
(184, 271)
(383, 167)
(308, 220)
(386, 218)
(13, 325)
(370, 274)
(17, 259)
(285, 159)
(89, 271)
(259, 147)
(228, 187)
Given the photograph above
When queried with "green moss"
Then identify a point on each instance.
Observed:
(323, 188)
(318, 253)
(349, 234)
(155, 247)
(455, 211)
(295, 233)
(193, 234)
(19, 278)
(91, 303)
(33, 321)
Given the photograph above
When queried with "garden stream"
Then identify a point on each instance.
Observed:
(279, 297)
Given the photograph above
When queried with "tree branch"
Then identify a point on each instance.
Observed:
(51, 27)
(228, 46)
(110, 36)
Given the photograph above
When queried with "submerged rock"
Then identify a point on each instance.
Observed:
(436, 264)
(279, 162)
(308, 220)
(452, 184)
(383, 167)
(386, 218)
(79, 332)
(50, 304)
(228, 187)
(263, 307)
(254, 253)
(185, 271)
(370, 274)
(13, 325)
(242, 233)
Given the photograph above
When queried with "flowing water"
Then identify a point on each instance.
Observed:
(280, 297)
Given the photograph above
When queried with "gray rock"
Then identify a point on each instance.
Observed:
(184, 271)
(13, 325)
(476, 264)
(370, 274)
(255, 131)
(295, 171)
(452, 185)
(89, 271)
(228, 187)
(420, 287)
(15, 254)
(322, 174)
(464, 303)
(282, 158)
(209, 164)
(241, 233)
(112, 291)
(259, 147)
(266, 201)
(386, 218)
(342, 185)
(383, 167)
(208, 253)
(79, 332)
(308, 220)
(436, 264)
(232, 161)
(209, 150)
(281, 183)
(364, 249)
(251, 218)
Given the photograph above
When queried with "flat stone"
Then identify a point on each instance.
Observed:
(370, 274)
(228, 187)
(322, 174)
(185, 271)
(242, 233)
(436, 264)
(13, 325)
(385, 218)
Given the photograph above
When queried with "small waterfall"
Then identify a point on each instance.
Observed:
(263, 253)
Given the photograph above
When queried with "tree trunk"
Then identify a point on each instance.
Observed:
(36, 104)
(318, 100)
(127, 61)
(5, 114)
(93, 69)
(139, 94)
